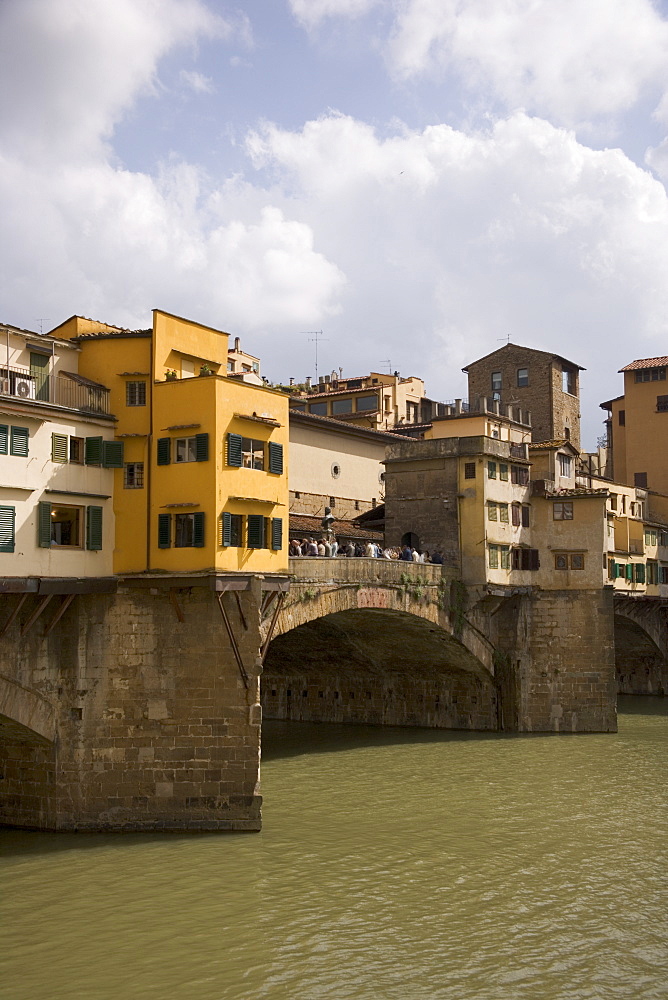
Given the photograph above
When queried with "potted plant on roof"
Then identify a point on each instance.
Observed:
(206, 369)
(170, 375)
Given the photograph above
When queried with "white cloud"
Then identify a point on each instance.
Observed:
(310, 13)
(450, 241)
(197, 82)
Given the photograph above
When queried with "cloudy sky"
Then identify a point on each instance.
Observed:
(418, 179)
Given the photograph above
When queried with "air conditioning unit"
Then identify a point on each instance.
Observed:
(24, 388)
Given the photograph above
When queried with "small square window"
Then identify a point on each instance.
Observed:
(135, 394)
(560, 561)
(185, 449)
(252, 453)
(469, 470)
(133, 478)
(562, 510)
(577, 560)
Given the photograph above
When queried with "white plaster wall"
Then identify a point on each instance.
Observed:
(313, 451)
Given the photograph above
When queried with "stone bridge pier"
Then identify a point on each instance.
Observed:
(137, 710)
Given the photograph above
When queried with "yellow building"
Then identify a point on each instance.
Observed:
(204, 479)
(637, 426)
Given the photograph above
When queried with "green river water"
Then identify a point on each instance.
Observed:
(394, 864)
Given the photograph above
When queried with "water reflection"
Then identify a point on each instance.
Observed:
(404, 864)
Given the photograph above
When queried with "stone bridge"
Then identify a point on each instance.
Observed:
(641, 644)
(141, 709)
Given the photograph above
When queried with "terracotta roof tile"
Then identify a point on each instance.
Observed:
(646, 363)
(307, 525)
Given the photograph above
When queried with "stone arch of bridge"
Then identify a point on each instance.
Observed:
(376, 665)
(25, 716)
(641, 650)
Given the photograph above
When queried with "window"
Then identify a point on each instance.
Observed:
(335, 470)
(562, 511)
(651, 375)
(256, 531)
(189, 530)
(519, 475)
(650, 536)
(133, 478)
(503, 512)
(108, 454)
(496, 381)
(505, 556)
(640, 572)
(494, 557)
(256, 367)
(577, 560)
(664, 574)
(526, 559)
(522, 377)
(491, 511)
(66, 525)
(59, 448)
(19, 441)
(662, 404)
(568, 381)
(77, 450)
(367, 402)
(320, 409)
(503, 472)
(185, 449)
(564, 465)
(640, 480)
(652, 572)
(232, 529)
(621, 416)
(516, 515)
(135, 394)
(230, 366)
(252, 453)
(332, 503)
(342, 406)
(499, 555)
(560, 560)
(7, 528)
(62, 526)
(526, 516)
(491, 470)
(469, 470)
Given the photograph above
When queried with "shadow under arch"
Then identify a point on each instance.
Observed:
(25, 716)
(642, 668)
(377, 666)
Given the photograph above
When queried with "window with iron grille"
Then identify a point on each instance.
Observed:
(469, 470)
(133, 478)
(135, 394)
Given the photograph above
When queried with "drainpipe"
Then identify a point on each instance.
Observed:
(149, 453)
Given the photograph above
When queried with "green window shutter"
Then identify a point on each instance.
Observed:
(164, 454)
(255, 531)
(44, 525)
(276, 533)
(629, 571)
(164, 530)
(640, 572)
(276, 458)
(7, 528)
(198, 529)
(226, 528)
(4, 438)
(94, 528)
(93, 451)
(112, 454)
(59, 448)
(19, 441)
(201, 447)
(234, 450)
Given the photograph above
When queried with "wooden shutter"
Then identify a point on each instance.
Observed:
(534, 561)
(201, 447)
(59, 448)
(19, 441)
(44, 525)
(7, 528)
(112, 454)
(164, 453)
(255, 531)
(198, 529)
(4, 439)
(164, 530)
(640, 572)
(93, 451)
(94, 528)
(276, 458)
(234, 450)
(226, 528)
(276, 533)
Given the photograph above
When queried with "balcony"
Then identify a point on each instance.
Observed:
(71, 391)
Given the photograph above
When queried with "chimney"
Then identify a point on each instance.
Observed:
(340, 372)
(458, 408)
(237, 344)
(308, 381)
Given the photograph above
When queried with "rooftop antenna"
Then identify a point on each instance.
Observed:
(506, 338)
(389, 366)
(41, 320)
(316, 338)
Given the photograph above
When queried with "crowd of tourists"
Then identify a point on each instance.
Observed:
(329, 548)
